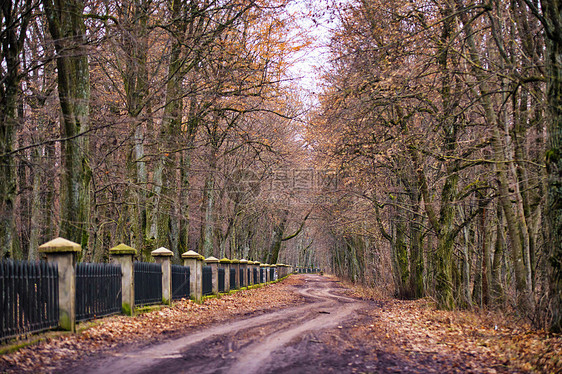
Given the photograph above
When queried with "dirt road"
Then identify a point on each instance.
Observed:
(306, 324)
(266, 343)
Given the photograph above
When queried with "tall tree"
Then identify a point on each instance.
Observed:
(550, 16)
(14, 20)
(67, 28)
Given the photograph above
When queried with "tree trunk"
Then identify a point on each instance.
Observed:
(524, 297)
(14, 17)
(66, 25)
(208, 209)
(497, 292)
(552, 10)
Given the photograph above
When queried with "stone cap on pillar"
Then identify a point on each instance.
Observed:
(257, 263)
(244, 261)
(212, 260)
(162, 252)
(235, 261)
(250, 262)
(60, 245)
(263, 265)
(122, 249)
(273, 266)
(192, 254)
(225, 261)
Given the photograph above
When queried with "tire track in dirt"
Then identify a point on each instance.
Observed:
(242, 346)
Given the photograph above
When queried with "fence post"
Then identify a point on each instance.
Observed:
(64, 253)
(225, 263)
(244, 268)
(235, 264)
(213, 262)
(163, 257)
(195, 262)
(250, 268)
(123, 255)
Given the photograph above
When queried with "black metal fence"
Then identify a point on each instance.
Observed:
(255, 275)
(242, 284)
(262, 274)
(308, 270)
(98, 290)
(249, 276)
(207, 280)
(271, 274)
(148, 283)
(180, 282)
(232, 278)
(28, 297)
(221, 279)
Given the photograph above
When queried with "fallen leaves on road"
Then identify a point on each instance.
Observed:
(115, 331)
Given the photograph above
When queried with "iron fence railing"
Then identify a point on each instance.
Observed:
(180, 282)
(308, 270)
(207, 280)
(271, 274)
(262, 274)
(148, 283)
(232, 278)
(221, 279)
(28, 297)
(242, 284)
(255, 275)
(98, 290)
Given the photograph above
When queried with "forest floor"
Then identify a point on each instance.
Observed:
(303, 324)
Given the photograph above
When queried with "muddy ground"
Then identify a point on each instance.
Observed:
(330, 332)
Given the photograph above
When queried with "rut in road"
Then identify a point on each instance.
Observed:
(243, 346)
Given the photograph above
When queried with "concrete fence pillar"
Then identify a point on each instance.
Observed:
(163, 256)
(195, 262)
(244, 268)
(64, 254)
(213, 262)
(267, 273)
(123, 255)
(250, 269)
(225, 264)
(235, 264)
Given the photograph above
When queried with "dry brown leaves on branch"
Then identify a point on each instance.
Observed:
(147, 328)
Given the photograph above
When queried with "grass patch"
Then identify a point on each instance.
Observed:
(16, 344)
(149, 308)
